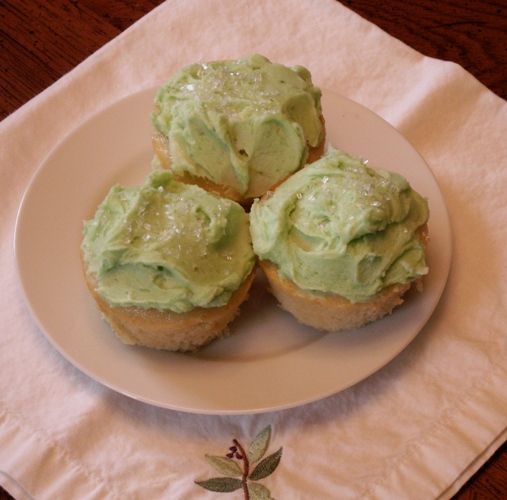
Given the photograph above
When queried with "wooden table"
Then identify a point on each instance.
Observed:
(41, 41)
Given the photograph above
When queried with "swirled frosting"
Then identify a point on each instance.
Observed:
(338, 226)
(167, 245)
(243, 123)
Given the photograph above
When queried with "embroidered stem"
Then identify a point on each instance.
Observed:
(246, 469)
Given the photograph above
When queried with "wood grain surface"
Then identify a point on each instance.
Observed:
(40, 41)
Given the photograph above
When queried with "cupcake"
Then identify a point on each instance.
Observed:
(167, 263)
(340, 242)
(237, 127)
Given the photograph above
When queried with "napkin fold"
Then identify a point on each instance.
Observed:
(419, 427)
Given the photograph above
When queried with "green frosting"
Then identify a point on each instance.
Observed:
(338, 226)
(167, 245)
(244, 123)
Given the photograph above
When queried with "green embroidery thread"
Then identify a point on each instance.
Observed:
(241, 477)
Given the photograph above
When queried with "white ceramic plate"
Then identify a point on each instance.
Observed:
(271, 362)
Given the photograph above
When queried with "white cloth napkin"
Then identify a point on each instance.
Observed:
(418, 428)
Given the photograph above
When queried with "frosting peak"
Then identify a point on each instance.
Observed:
(338, 226)
(247, 123)
(167, 245)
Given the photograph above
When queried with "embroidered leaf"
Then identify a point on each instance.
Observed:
(266, 466)
(259, 492)
(221, 484)
(259, 445)
(224, 465)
